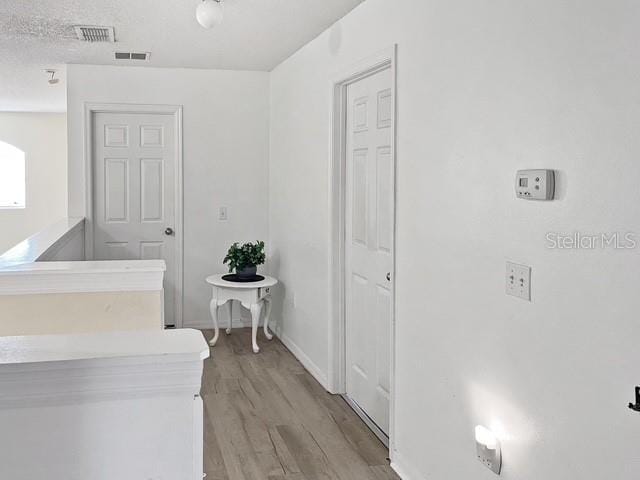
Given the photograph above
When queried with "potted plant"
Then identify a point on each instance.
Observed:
(244, 259)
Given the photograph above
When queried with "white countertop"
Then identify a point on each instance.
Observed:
(173, 345)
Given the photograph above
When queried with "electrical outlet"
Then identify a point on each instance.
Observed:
(490, 457)
(518, 281)
(222, 214)
(488, 449)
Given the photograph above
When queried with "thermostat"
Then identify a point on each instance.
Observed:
(535, 184)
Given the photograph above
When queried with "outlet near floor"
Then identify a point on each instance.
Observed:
(518, 281)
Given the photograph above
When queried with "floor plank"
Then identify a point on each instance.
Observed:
(267, 418)
(383, 472)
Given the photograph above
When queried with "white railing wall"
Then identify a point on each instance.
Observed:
(46, 287)
(106, 406)
(112, 395)
(62, 240)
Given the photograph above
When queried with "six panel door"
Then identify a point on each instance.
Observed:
(369, 229)
(134, 185)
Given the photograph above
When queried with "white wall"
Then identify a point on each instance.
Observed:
(43, 138)
(226, 149)
(486, 87)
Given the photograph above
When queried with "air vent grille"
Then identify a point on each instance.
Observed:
(132, 55)
(92, 33)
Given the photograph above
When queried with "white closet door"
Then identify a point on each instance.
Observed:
(369, 244)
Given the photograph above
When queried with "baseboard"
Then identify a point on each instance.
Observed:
(306, 362)
(404, 469)
(207, 325)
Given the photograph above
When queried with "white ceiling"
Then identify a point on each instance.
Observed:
(255, 35)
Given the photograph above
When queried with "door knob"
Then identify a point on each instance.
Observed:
(168, 231)
(389, 276)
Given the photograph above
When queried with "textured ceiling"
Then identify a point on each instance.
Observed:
(255, 35)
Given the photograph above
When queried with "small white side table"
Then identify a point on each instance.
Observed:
(251, 295)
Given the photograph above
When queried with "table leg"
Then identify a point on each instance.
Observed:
(267, 316)
(230, 312)
(256, 309)
(213, 307)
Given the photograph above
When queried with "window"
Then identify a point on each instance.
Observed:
(12, 177)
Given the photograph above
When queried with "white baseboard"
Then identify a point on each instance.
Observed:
(306, 362)
(207, 325)
(404, 469)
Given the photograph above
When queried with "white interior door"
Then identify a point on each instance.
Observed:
(134, 190)
(369, 231)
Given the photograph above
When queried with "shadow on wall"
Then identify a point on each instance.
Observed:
(561, 185)
(335, 39)
(279, 294)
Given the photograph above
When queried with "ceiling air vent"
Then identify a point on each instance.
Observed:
(92, 33)
(132, 55)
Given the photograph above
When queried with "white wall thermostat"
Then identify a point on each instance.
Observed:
(535, 184)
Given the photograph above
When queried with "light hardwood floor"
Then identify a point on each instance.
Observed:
(267, 418)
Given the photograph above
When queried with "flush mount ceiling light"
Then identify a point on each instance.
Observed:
(53, 80)
(210, 13)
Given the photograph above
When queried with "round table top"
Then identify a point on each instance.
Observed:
(219, 282)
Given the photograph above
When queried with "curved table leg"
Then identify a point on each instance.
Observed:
(256, 309)
(230, 312)
(267, 316)
(213, 307)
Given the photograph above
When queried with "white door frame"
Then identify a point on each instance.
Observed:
(383, 60)
(176, 111)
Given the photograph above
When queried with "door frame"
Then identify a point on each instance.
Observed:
(383, 60)
(90, 109)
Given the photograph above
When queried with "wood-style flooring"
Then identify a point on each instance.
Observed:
(267, 418)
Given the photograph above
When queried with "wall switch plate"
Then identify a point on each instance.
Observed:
(222, 214)
(518, 281)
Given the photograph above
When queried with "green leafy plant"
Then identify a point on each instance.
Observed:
(246, 255)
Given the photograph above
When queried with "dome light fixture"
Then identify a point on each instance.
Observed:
(210, 13)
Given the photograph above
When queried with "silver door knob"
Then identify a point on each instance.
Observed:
(168, 231)
(389, 276)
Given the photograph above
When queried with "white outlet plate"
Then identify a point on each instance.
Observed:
(222, 214)
(518, 281)
(490, 457)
